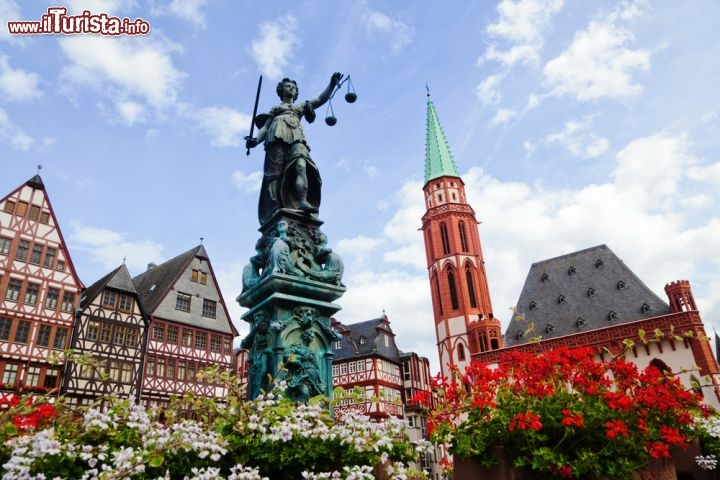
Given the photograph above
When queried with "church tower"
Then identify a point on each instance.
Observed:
(464, 320)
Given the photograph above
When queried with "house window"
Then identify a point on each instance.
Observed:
(363, 340)
(51, 378)
(361, 365)
(22, 332)
(36, 254)
(171, 369)
(338, 344)
(158, 332)
(109, 298)
(126, 303)
(227, 345)
(31, 294)
(131, 337)
(93, 330)
(50, 254)
(182, 302)
(126, 372)
(68, 302)
(160, 368)
(32, 378)
(44, 217)
(150, 367)
(461, 352)
(9, 206)
(172, 334)
(181, 371)
(209, 308)
(201, 341)
(335, 370)
(22, 250)
(115, 370)
(60, 340)
(5, 245)
(10, 373)
(352, 366)
(186, 337)
(5, 325)
(105, 332)
(13, 290)
(343, 368)
(198, 276)
(215, 343)
(43, 336)
(21, 209)
(51, 298)
(119, 335)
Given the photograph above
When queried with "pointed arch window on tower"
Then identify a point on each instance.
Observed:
(461, 352)
(470, 286)
(453, 290)
(483, 342)
(463, 237)
(445, 239)
(436, 284)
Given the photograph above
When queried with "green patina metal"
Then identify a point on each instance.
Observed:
(439, 161)
(291, 282)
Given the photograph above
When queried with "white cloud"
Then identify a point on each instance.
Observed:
(706, 174)
(577, 139)
(398, 33)
(17, 85)
(597, 64)
(16, 137)
(226, 127)
(503, 116)
(247, 182)
(522, 24)
(111, 7)
(125, 69)
(108, 248)
(130, 112)
(274, 48)
(188, 10)
(9, 10)
(487, 91)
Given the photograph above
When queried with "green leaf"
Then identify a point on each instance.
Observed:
(155, 461)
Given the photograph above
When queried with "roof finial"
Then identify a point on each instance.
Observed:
(39, 168)
(427, 89)
(124, 258)
(201, 240)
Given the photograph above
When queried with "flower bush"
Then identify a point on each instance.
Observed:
(564, 413)
(270, 437)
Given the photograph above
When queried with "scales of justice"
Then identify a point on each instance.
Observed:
(292, 280)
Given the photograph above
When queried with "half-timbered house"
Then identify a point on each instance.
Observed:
(111, 330)
(190, 328)
(38, 290)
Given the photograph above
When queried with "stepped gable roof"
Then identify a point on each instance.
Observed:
(439, 161)
(368, 338)
(578, 292)
(119, 279)
(154, 284)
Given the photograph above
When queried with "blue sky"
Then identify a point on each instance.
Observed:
(572, 123)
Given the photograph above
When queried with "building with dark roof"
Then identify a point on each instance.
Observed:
(190, 328)
(111, 330)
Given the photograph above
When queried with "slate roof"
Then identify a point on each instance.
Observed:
(578, 292)
(373, 331)
(119, 279)
(439, 160)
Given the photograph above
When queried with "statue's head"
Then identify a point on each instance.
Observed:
(306, 337)
(282, 227)
(281, 87)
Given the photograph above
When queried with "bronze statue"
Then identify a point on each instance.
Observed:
(290, 177)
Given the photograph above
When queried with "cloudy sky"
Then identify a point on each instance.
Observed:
(572, 124)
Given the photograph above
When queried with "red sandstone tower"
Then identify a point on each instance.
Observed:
(464, 320)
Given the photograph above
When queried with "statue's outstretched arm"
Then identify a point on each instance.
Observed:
(325, 95)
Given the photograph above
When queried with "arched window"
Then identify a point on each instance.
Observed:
(445, 238)
(463, 237)
(470, 286)
(436, 284)
(453, 290)
(461, 352)
(483, 342)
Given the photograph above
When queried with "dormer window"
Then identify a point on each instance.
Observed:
(338, 344)
(561, 299)
(591, 292)
(645, 308)
(612, 315)
(363, 340)
(598, 263)
(545, 277)
(520, 334)
(580, 322)
(621, 285)
(572, 271)
(550, 328)
(533, 305)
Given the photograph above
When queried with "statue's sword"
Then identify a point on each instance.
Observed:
(252, 120)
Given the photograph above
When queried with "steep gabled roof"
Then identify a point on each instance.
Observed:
(374, 332)
(578, 292)
(119, 279)
(439, 161)
(155, 283)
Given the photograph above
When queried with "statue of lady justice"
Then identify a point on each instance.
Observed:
(290, 177)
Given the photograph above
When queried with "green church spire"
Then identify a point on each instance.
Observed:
(439, 161)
